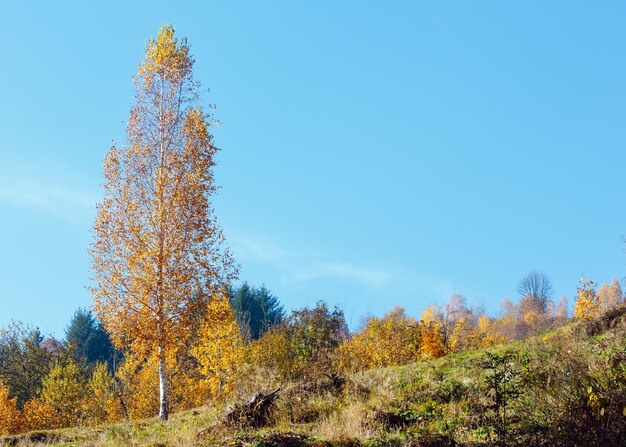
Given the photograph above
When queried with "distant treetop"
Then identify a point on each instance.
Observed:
(256, 309)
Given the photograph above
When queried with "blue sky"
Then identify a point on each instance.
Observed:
(374, 153)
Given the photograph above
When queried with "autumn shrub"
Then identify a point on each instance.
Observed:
(220, 350)
(460, 335)
(432, 341)
(10, 417)
(102, 402)
(188, 386)
(39, 415)
(301, 347)
(63, 394)
(486, 334)
(606, 320)
(606, 386)
(272, 355)
(397, 339)
(587, 303)
(138, 378)
(313, 334)
(394, 339)
(434, 333)
(610, 295)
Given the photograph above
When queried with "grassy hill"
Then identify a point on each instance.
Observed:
(565, 387)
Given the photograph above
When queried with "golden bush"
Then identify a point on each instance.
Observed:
(394, 339)
(220, 351)
(11, 421)
(587, 303)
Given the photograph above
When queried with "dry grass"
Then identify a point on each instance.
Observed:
(348, 422)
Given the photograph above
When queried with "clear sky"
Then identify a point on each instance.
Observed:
(374, 153)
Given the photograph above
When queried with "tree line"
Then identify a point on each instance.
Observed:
(244, 341)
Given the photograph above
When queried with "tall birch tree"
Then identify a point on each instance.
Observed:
(158, 254)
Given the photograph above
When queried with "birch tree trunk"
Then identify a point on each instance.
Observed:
(163, 404)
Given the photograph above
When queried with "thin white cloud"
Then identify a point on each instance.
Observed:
(371, 277)
(303, 264)
(56, 199)
(249, 247)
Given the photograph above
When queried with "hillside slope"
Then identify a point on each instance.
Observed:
(565, 387)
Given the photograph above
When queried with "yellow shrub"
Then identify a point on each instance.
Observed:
(587, 304)
(139, 378)
(10, 417)
(101, 403)
(61, 401)
(39, 415)
(220, 351)
(391, 340)
(433, 344)
(272, 353)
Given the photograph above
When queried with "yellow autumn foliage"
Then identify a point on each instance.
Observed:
(459, 335)
(432, 340)
(166, 57)
(587, 303)
(101, 403)
(432, 331)
(220, 351)
(271, 354)
(391, 340)
(139, 378)
(39, 415)
(10, 417)
(64, 391)
(486, 334)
